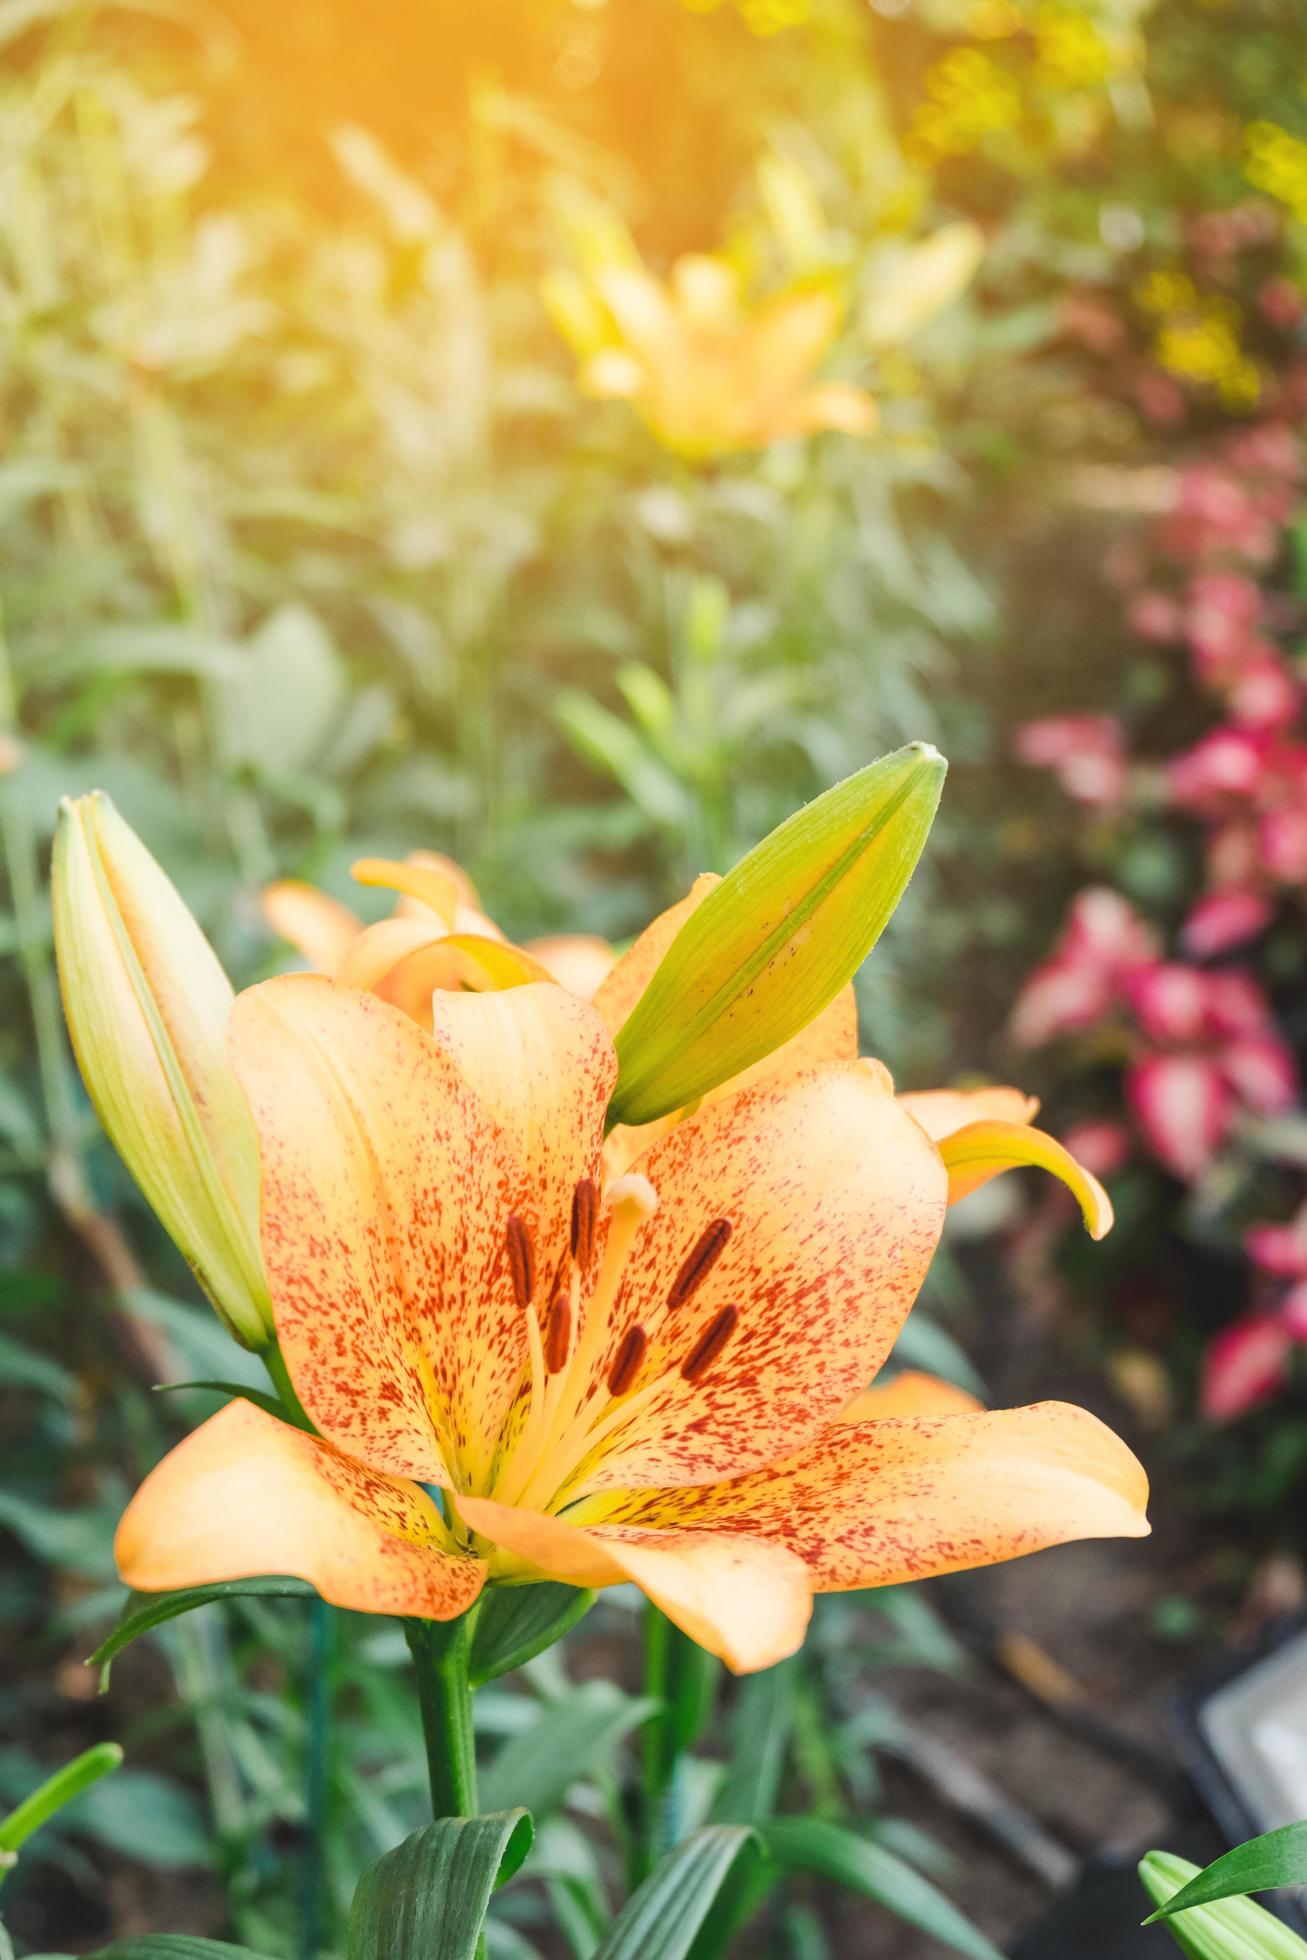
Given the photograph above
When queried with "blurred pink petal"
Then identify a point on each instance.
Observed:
(1246, 1365)
(1262, 1072)
(1183, 1106)
(1098, 1143)
(1293, 1311)
(1264, 694)
(1154, 616)
(1227, 763)
(1223, 919)
(1170, 1001)
(1086, 752)
(1058, 999)
(1283, 839)
(1278, 1249)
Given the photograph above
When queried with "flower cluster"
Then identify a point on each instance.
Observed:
(1196, 1038)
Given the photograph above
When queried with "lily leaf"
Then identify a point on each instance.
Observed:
(174, 1946)
(236, 1390)
(1226, 1929)
(515, 1623)
(1276, 1858)
(142, 1611)
(814, 1844)
(569, 1738)
(427, 1899)
(775, 941)
(662, 1919)
(56, 1791)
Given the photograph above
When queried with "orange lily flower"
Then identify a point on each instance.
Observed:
(708, 372)
(661, 1379)
(437, 937)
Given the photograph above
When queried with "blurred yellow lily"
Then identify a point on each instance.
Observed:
(437, 937)
(657, 1378)
(979, 1133)
(146, 1002)
(707, 370)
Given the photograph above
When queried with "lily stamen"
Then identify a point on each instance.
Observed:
(699, 1262)
(521, 1260)
(627, 1361)
(710, 1344)
(585, 1214)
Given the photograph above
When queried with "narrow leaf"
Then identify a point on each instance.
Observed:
(57, 1790)
(143, 1611)
(832, 1851)
(568, 1739)
(1276, 1858)
(174, 1946)
(661, 1920)
(760, 1734)
(775, 941)
(237, 1390)
(427, 1899)
(515, 1623)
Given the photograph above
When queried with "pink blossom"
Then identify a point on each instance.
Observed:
(1224, 919)
(1103, 941)
(1227, 763)
(1184, 1108)
(1246, 1365)
(1086, 752)
(1101, 1144)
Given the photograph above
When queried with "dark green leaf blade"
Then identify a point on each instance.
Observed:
(427, 1899)
(142, 1611)
(174, 1946)
(568, 1738)
(833, 1851)
(515, 1623)
(662, 1919)
(1275, 1858)
(238, 1391)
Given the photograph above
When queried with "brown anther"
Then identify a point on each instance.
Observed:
(626, 1362)
(699, 1261)
(585, 1213)
(710, 1344)
(558, 1334)
(521, 1260)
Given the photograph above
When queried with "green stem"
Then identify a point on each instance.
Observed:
(275, 1362)
(440, 1650)
(681, 1678)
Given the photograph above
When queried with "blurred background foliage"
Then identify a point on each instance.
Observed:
(351, 504)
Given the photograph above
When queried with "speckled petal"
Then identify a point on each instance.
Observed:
(878, 1503)
(911, 1393)
(247, 1496)
(835, 1200)
(387, 1188)
(542, 1063)
(743, 1599)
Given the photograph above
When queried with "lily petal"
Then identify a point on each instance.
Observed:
(980, 1151)
(835, 1201)
(320, 928)
(542, 1063)
(577, 960)
(246, 1496)
(911, 1393)
(941, 1111)
(878, 1503)
(743, 1599)
(387, 1188)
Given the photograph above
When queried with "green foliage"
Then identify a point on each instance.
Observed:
(427, 1899)
(1276, 1858)
(515, 1623)
(661, 1920)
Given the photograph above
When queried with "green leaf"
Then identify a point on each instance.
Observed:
(833, 1851)
(174, 1946)
(774, 942)
(427, 1899)
(568, 1738)
(515, 1623)
(1276, 1858)
(1228, 1929)
(57, 1790)
(661, 1920)
(142, 1611)
(760, 1733)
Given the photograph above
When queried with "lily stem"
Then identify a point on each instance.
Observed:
(681, 1678)
(441, 1650)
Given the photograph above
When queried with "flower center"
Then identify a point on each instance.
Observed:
(568, 1413)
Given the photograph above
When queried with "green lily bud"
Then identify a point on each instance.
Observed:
(147, 1005)
(775, 941)
(1229, 1929)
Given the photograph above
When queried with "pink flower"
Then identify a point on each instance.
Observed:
(1223, 919)
(1184, 1108)
(1103, 941)
(1156, 617)
(1099, 1143)
(1086, 752)
(1245, 1366)
(1230, 762)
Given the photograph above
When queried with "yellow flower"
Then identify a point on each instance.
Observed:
(657, 1378)
(708, 372)
(437, 937)
(147, 1005)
